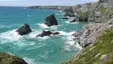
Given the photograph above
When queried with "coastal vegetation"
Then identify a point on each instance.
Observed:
(99, 53)
(6, 58)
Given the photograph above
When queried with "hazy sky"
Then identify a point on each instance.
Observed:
(42, 2)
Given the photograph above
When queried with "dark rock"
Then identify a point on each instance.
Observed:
(69, 14)
(55, 33)
(6, 58)
(64, 18)
(87, 33)
(81, 19)
(24, 30)
(76, 34)
(68, 9)
(44, 33)
(74, 20)
(51, 20)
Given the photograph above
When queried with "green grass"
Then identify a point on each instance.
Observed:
(103, 45)
(106, 11)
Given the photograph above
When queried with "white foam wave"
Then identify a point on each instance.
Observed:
(29, 61)
(42, 25)
(65, 33)
(53, 27)
(71, 45)
(33, 34)
(32, 61)
(10, 35)
(72, 22)
(43, 38)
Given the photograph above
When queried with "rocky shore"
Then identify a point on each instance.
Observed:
(82, 10)
(92, 38)
(96, 36)
(6, 58)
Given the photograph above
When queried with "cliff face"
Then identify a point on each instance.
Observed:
(97, 36)
(83, 10)
(100, 50)
(102, 12)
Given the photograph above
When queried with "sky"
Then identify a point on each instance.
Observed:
(42, 2)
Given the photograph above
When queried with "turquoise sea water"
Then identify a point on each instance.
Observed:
(46, 50)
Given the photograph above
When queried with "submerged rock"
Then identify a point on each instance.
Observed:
(55, 33)
(47, 33)
(44, 33)
(6, 58)
(65, 18)
(51, 20)
(24, 30)
(74, 20)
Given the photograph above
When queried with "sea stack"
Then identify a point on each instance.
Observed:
(51, 20)
(23, 30)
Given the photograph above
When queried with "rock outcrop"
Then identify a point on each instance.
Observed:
(69, 12)
(23, 30)
(96, 39)
(65, 18)
(47, 33)
(83, 10)
(44, 33)
(51, 20)
(74, 20)
(6, 58)
(102, 12)
(55, 33)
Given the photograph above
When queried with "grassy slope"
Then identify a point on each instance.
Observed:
(91, 55)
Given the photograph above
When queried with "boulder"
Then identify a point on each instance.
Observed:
(74, 20)
(47, 33)
(23, 30)
(76, 34)
(44, 33)
(51, 20)
(55, 33)
(6, 58)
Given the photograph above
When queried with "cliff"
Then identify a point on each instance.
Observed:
(102, 12)
(99, 49)
(96, 38)
(83, 10)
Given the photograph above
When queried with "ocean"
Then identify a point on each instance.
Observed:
(45, 50)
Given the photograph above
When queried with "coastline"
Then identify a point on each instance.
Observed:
(98, 19)
(95, 38)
